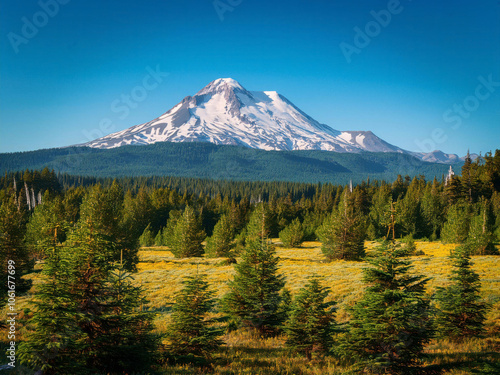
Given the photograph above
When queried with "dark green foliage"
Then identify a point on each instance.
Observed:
(12, 247)
(310, 327)
(456, 227)
(147, 238)
(46, 227)
(168, 231)
(343, 233)
(254, 298)
(103, 208)
(187, 236)
(191, 332)
(293, 234)
(390, 325)
(480, 239)
(220, 243)
(461, 314)
(86, 318)
(206, 160)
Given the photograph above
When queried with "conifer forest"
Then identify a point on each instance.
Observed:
(176, 275)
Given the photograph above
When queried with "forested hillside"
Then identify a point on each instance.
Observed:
(206, 160)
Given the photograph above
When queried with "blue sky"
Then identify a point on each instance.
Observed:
(421, 76)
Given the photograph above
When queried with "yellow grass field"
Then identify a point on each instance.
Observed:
(160, 274)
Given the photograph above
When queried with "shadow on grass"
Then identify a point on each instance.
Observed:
(472, 362)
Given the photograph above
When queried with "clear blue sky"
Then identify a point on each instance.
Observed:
(420, 81)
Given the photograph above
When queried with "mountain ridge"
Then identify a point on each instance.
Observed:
(224, 112)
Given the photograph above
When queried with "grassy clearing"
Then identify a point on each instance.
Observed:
(160, 274)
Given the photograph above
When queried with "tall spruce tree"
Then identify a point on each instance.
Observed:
(310, 328)
(456, 227)
(343, 232)
(254, 299)
(86, 318)
(220, 243)
(461, 314)
(187, 236)
(293, 234)
(192, 332)
(390, 325)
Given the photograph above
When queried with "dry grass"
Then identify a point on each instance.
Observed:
(160, 274)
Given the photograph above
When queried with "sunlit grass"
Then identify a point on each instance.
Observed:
(160, 274)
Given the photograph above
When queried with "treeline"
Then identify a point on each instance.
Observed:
(87, 315)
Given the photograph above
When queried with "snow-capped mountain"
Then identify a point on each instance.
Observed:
(224, 112)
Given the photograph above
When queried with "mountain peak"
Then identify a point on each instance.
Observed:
(221, 84)
(224, 112)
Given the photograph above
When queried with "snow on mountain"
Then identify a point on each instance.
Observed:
(224, 112)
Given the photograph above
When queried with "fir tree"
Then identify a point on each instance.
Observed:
(456, 227)
(86, 318)
(461, 314)
(343, 233)
(390, 325)
(147, 239)
(220, 243)
(254, 298)
(187, 236)
(293, 234)
(310, 327)
(480, 240)
(191, 332)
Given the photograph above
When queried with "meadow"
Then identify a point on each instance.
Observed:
(160, 275)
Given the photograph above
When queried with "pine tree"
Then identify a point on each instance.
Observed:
(343, 233)
(390, 325)
(192, 332)
(480, 239)
(187, 236)
(147, 238)
(456, 227)
(46, 227)
(310, 327)
(86, 318)
(461, 314)
(293, 234)
(254, 299)
(12, 247)
(220, 243)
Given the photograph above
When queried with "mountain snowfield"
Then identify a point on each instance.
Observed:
(224, 112)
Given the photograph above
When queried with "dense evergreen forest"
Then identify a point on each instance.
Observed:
(210, 161)
(87, 231)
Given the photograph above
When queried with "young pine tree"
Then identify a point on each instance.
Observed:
(456, 227)
(147, 238)
(293, 234)
(310, 328)
(85, 318)
(191, 332)
(187, 236)
(220, 243)
(254, 299)
(461, 313)
(343, 232)
(390, 325)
